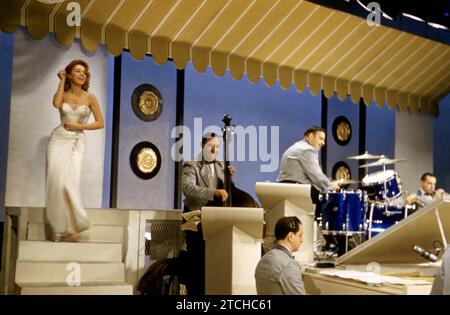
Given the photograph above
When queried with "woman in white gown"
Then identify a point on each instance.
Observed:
(65, 151)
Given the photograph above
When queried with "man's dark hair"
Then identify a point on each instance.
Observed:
(208, 136)
(286, 225)
(425, 175)
(314, 129)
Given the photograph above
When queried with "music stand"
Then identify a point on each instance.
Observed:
(233, 239)
(280, 200)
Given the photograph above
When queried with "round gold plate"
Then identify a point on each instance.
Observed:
(342, 130)
(145, 160)
(147, 102)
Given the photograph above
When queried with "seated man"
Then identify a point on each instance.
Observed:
(427, 192)
(410, 201)
(278, 272)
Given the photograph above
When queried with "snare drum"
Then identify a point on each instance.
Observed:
(374, 185)
(381, 218)
(343, 212)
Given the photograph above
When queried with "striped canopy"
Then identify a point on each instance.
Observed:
(292, 41)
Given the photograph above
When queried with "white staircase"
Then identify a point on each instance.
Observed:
(110, 257)
(93, 265)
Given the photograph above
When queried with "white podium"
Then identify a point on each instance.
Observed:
(280, 200)
(233, 238)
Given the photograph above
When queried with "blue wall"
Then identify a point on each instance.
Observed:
(380, 131)
(336, 152)
(210, 97)
(6, 61)
(441, 156)
(158, 192)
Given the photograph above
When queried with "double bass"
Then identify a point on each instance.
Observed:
(236, 196)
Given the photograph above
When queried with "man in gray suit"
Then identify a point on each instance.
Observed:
(300, 162)
(427, 192)
(278, 272)
(200, 184)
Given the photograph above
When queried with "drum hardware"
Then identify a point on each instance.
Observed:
(389, 213)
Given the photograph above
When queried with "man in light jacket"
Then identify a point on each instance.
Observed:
(278, 272)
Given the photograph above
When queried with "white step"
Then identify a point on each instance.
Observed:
(69, 252)
(124, 289)
(96, 216)
(57, 274)
(97, 233)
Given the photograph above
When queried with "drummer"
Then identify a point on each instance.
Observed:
(300, 164)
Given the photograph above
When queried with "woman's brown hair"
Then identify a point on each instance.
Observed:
(69, 68)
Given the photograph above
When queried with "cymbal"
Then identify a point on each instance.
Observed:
(344, 181)
(383, 161)
(365, 156)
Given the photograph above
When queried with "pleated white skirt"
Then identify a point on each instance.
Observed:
(64, 209)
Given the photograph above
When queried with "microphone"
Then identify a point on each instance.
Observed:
(425, 254)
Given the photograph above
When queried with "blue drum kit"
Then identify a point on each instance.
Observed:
(369, 210)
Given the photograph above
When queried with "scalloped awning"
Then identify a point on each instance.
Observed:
(293, 41)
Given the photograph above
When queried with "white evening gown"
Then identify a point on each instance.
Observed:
(65, 151)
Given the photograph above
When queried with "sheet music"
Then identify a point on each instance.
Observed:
(372, 278)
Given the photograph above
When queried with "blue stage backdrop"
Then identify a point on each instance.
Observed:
(158, 192)
(263, 112)
(6, 61)
(380, 131)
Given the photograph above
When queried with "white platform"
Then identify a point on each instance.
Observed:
(97, 234)
(68, 252)
(123, 289)
(55, 274)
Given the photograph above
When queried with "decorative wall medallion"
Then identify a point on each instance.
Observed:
(342, 130)
(147, 102)
(145, 160)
